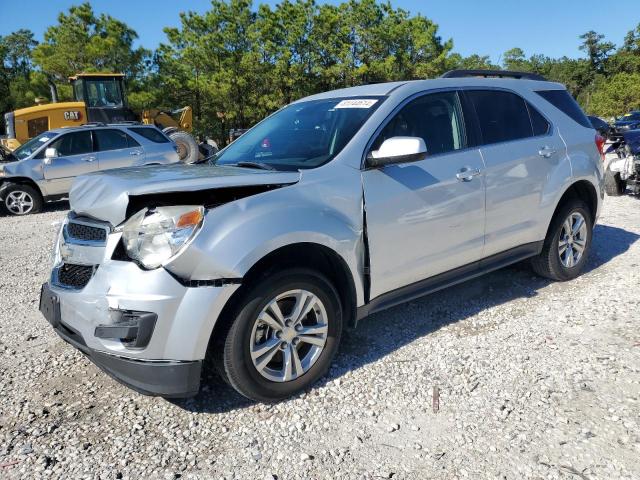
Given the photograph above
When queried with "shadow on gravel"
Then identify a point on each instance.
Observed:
(608, 243)
(385, 332)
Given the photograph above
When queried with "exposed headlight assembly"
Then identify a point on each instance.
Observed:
(153, 236)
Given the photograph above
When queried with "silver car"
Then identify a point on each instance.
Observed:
(43, 168)
(338, 205)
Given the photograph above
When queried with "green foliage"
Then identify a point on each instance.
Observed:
(617, 95)
(84, 42)
(236, 63)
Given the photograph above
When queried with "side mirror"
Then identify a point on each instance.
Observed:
(398, 150)
(50, 154)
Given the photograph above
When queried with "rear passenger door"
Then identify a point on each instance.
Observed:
(158, 148)
(519, 147)
(116, 149)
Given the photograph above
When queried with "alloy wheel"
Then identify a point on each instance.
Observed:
(19, 202)
(573, 240)
(289, 335)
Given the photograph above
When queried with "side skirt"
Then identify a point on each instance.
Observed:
(447, 279)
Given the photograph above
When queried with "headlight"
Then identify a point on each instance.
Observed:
(153, 236)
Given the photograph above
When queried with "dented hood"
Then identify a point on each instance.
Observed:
(105, 195)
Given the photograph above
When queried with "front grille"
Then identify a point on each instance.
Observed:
(74, 276)
(87, 233)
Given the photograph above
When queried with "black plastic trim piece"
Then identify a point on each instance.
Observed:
(133, 328)
(214, 282)
(165, 378)
(493, 73)
(447, 279)
(373, 162)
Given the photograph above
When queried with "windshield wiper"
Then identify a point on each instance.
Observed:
(260, 165)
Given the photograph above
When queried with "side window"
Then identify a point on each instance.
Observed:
(538, 122)
(436, 118)
(502, 116)
(150, 133)
(113, 140)
(75, 143)
(565, 103)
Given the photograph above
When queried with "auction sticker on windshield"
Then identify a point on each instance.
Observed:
(356, 103)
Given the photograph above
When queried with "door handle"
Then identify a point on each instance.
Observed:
(546, 151)
(466, 174)
(90, 158)
(135, 152)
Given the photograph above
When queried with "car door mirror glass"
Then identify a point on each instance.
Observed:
(398, 150)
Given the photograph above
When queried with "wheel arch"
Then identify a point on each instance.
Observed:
(585, 191)
(7, 181)
(304, 254)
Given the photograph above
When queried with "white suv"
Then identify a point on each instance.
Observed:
(336, 206)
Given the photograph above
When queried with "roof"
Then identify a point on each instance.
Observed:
(401, 88)
(95, 74)
(90, 125)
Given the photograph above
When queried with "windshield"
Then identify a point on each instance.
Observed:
(29, 148)
(302, 135)
(104, 93)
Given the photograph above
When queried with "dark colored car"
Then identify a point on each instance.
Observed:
(629, 121)
(602, 127)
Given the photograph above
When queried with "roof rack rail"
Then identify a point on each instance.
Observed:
(126, 122)
(492, 74)
(93, 124)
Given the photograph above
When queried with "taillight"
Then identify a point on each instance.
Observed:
(600, 141)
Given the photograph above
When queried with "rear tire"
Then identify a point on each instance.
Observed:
(614, 186)
(565, 250)
(306, 343)
(21, 199)
(187, 146)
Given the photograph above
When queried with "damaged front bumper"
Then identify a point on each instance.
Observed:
(166, 378)
(143, 327)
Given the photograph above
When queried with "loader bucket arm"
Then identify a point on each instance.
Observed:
(181, 119)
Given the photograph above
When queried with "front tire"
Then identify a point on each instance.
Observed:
(282, 335)
(566, 248)
(21, 200)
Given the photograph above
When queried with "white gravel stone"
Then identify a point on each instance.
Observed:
(536, 380)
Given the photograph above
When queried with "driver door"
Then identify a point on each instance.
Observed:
(75, 157)
(425, 217)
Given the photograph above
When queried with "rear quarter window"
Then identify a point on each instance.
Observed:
(538, 122)
(565, 103)
(152, 134)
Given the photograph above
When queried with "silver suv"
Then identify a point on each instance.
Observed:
(336, 206)
(43, 168)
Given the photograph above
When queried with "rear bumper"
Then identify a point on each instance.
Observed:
(165, 378)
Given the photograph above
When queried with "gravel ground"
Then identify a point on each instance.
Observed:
(535, 380)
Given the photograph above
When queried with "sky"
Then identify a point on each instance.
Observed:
(485, 27)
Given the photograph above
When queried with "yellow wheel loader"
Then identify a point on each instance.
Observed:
(98, 98)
